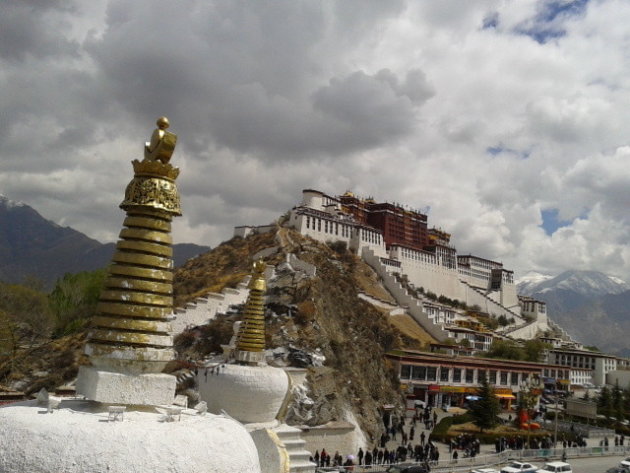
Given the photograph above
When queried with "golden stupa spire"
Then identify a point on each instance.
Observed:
(250, 341)
(131, 333)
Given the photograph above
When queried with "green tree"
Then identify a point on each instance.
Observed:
(485, 410)
(27, 309)
(534, 350)
(605, 402)
(505, 349)
(617, 402)
(73, 300)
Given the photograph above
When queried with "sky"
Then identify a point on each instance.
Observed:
(507, 120)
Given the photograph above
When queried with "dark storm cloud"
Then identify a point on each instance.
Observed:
(243, 74)
(34, 28)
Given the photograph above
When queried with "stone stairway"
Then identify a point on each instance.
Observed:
(298, 456)
(403, 298)
(203, 309)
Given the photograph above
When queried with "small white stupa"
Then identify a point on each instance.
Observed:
(252, 392)
(127, 421)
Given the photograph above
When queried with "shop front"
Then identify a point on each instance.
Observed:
(505, 396)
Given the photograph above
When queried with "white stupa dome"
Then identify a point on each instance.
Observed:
(78, 438)
(250, 394)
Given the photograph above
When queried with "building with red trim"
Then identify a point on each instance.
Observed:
(443, 380)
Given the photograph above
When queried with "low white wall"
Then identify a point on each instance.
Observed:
(334, 436)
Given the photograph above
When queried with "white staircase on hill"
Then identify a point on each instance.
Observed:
(402, 297)
(203, 309)
(298, 456)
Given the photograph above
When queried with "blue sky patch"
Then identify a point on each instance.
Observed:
(547, 24)
(498, 149)
(551, 222)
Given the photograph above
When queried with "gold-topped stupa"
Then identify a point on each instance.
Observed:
(131, 333)
(250, 340)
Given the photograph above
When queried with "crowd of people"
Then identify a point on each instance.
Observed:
(396, 430)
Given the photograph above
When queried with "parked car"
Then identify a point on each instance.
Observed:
(556, 467)
(625, 462)
(485, 470)
(519, 467)
(618, 469)
(408, 468)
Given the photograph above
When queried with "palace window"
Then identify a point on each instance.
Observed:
(431, 373)
(504, 378)
(514, 379)
(419, 372)
(457, 375)
(405, 372)
(469, 375)
(444, 374)
(493, 377)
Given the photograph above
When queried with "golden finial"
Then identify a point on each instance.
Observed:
(162, 143)
(251, 335)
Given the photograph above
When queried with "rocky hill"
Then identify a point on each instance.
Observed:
(310, 318)
(306, 315)
(31, 246)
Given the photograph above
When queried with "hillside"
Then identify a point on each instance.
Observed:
(320, 314)
(306, 317)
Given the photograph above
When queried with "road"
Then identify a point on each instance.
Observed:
(594, 464)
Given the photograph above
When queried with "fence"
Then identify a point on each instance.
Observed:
(494, 459)
(585, 430)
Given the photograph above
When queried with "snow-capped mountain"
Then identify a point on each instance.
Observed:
(584, 283)
(526, 284)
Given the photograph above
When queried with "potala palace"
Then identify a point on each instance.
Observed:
(397, 242)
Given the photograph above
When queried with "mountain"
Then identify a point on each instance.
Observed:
(527, 283)
(30, 245)
(584, 283)
(591, 306)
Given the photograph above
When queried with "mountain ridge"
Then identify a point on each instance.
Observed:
(33, 246)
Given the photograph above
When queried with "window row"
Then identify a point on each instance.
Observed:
(333, 228)
(460, 375)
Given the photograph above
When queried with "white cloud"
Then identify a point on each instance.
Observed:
(459, 106)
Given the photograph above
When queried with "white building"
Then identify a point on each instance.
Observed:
(436, 268)
(480, 341)
(599, 363)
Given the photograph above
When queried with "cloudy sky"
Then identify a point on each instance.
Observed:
(508, 120)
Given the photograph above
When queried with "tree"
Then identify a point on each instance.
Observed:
(534, 350)
(486, 409)
(505, 349)
(605, 402)
(74, 298)
(27, 309)
(617, 402)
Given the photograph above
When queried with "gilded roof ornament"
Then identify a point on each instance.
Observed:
(162, 143)
(153, 185)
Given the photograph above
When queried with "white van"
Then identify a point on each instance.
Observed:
(556, 467)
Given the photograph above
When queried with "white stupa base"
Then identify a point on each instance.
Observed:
(151, 389)
(78, 438)
(250, 394)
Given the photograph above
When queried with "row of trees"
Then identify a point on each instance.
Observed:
(614, 402)
(530, 350)
(30, 316)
